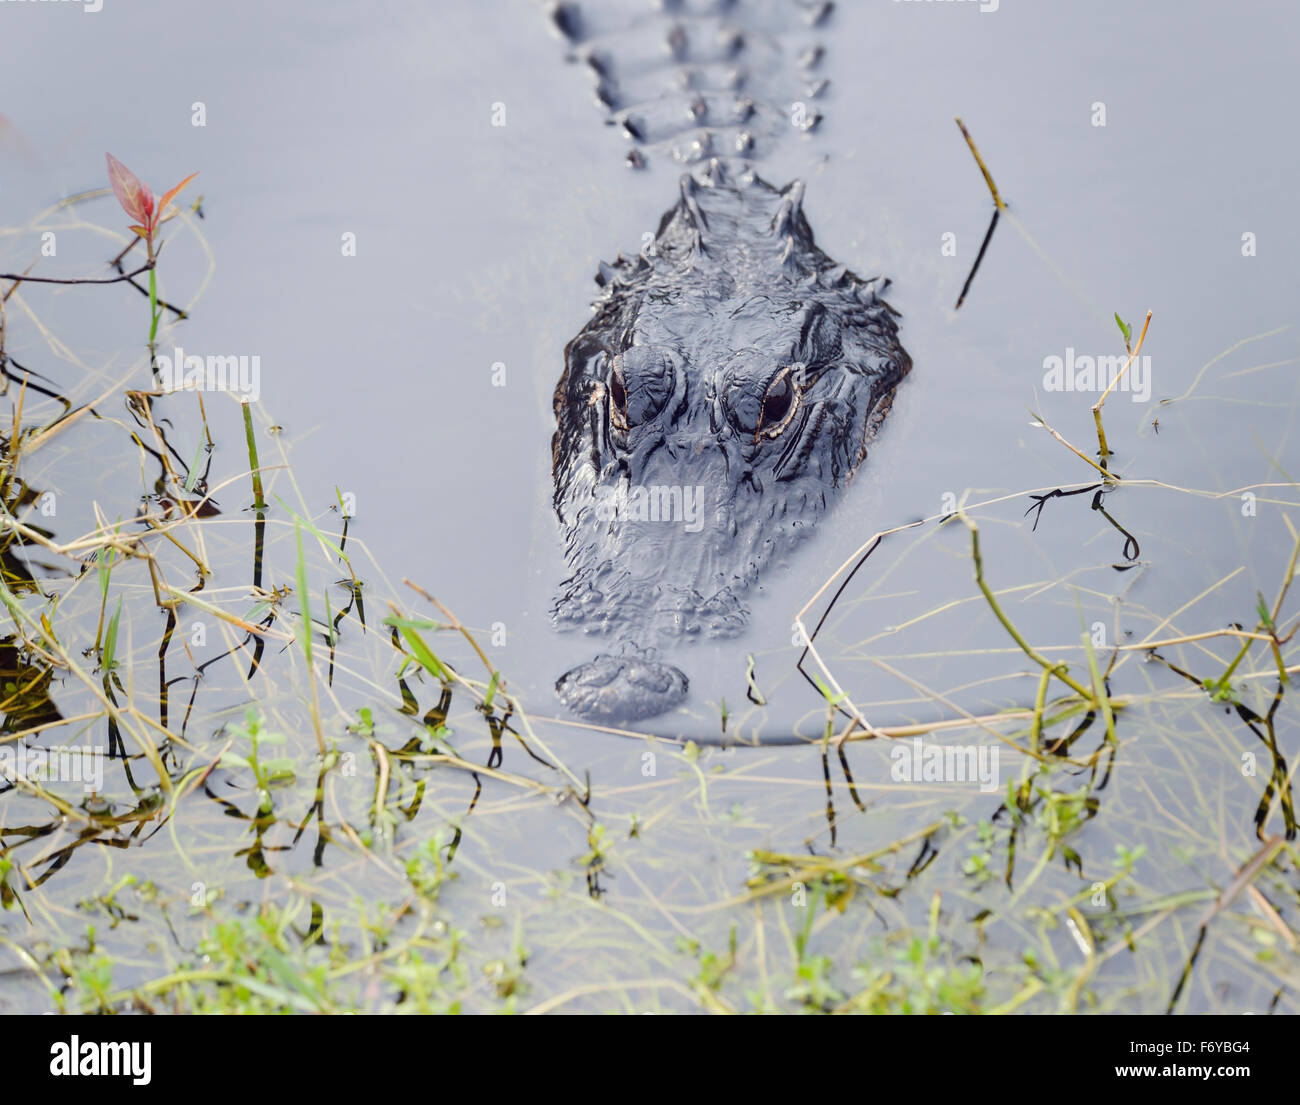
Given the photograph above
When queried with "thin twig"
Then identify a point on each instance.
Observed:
(20, 279)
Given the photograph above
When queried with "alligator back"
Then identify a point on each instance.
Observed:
(694, 81)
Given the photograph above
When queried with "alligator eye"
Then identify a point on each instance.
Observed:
(778, 404)
(641, 382)
(618, 400)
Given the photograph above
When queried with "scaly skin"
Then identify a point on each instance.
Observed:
(733, 361)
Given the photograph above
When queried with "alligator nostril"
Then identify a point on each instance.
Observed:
(613, 689)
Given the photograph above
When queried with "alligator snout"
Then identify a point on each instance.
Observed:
(619, 689)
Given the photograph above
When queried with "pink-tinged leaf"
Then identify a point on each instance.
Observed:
(131, 192)
(171, 195)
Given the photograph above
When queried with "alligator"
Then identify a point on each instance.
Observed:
(727, 386)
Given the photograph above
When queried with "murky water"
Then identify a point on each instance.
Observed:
(1147, 158)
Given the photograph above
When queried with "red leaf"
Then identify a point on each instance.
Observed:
(171, 195)
(131, 192)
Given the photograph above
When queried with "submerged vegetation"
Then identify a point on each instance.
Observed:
(315, 790)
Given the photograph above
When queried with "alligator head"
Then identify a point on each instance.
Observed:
(708, 414)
